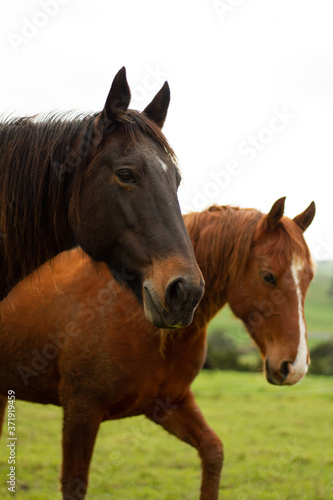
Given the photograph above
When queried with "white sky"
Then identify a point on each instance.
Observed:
(234, 67)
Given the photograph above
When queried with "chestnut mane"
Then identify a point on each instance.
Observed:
(231, 231)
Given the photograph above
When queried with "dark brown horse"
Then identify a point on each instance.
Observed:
(107, 182)
(90, 349)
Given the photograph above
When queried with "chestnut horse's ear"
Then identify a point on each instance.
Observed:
(158, 108)
(275, 214)
(118, 99)
(304, 219)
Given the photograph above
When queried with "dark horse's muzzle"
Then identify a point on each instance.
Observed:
(179, 301)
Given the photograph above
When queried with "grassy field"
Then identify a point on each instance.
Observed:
(278, 445)
(318, 311)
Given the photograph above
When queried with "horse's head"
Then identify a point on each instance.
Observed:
(132, 178)
(269, 297)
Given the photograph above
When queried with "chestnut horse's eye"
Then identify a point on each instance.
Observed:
(125, 175)
(268, 277)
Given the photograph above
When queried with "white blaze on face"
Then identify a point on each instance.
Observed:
(163, 165)
(300, 365)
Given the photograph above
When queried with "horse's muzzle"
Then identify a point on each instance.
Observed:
(175, 309)
(286, 374)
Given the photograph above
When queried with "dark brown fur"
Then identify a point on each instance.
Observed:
(60, 187)
(42, 162)
(35, 162)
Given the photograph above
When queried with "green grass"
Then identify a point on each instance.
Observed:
(318, 312)
(278, 445)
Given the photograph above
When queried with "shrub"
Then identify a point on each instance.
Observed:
(322, 359)
(224, 353)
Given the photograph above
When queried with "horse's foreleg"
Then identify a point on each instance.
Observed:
(3, 405)
(188, 424)
(79, 433)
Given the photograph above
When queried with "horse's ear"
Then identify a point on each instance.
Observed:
(275, 214)
(158, 108)
(304, 219)
(118, 99)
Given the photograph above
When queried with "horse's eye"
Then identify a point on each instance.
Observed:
(268, 277)
(125, 175)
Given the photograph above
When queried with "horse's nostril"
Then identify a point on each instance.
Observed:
(284, 369)
(175, 293)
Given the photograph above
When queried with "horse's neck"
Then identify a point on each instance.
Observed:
(43, 209)
(215, 296)
(216, 242)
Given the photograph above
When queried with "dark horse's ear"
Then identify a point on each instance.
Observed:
(158, 108)
(118, 99)
(304, 219)
(275, 214)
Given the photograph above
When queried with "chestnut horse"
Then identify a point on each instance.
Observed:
(107, 182)
(90, 349)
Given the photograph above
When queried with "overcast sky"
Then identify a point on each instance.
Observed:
(251, 84)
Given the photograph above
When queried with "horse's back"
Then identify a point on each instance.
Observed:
(33, 320)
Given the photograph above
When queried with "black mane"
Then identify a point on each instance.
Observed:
(35, 155)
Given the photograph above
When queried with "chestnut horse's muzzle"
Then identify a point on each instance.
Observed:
(286, 374)
(176, 307)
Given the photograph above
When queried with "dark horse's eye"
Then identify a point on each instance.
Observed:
(268, 277)
(125, 175)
